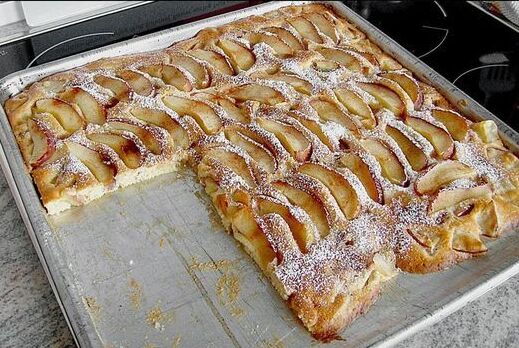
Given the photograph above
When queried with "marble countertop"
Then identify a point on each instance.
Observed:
(30, 315)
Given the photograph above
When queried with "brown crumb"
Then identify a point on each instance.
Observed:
(228, 290)
(210, 266)
(93, 308)
(135, 295)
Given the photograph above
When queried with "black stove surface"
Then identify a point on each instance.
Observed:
(476, 52)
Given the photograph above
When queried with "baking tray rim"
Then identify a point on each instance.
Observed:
(35, 217)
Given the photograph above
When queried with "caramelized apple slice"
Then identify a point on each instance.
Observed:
(414, 155)
(161, 119)
(392, 169)
(63, 112)
(137, 82)
(450, 198)
(329, 111)
(171, 75)
(241, 57)
(247, 231)
(203, 114)
(234, 162)
(487, 131)
(455, 123)
(324, 25)
(232, 110)
(340, 188)
(43, 142)
(218, 61)
(439, 138)
(325, 65)
(255, 150)
(118, 87)
(279, 46)
(292, 140)
(92, 111)
(317, 129)
(313, 207)
(297, 83)
(442, 174)
(342, 57)
(147, 137)
(373, 187)
(306, 29)
(408, 84)
(286, 36)
(386, 97)
(100, 166)
(301, 232)
(466, 242)
(127, 150)
(251, 91)
(197, 70)
(356, 105)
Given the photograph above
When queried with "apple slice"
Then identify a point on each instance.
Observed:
(342, 57)
(325, 65)
(240, 56)
(313, 206)
(252, 91)
(356, 105)
(426, 236)
(414, 155)
(301, 232)
(63, 112)
(386, 97)
(92, 111)
(442, 174)
(300, 85)
(218, 61)
(287, 37)
(357, 165)
(292, 139)
(339, 187)
(161, 119)
(408, 84)
(487, 131)
(279, 46)
(232, 110)
(203, 114)
(324, 25)
(316, 128)
(140, 84)
(450, 198)
(171, 75)
(43, 142)
(392, 169)
(100, 166)
(197, 70)
(306, 29)
(329, 111)
(147, 137)
(454, 122)
(438, 137)
(465, 242)
(234, 162)
(255, 150)
(127, 150)
(247, 232)
(118, 87)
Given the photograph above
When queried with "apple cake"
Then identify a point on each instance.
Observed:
(331, 163)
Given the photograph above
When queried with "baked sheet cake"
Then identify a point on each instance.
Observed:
(331, 163)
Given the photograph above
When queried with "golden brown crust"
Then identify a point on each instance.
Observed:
(324, 157)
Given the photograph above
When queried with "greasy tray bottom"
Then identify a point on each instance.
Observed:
(161, 269)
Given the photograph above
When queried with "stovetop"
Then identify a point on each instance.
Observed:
(477, 53)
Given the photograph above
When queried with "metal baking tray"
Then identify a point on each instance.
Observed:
(149, 264)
